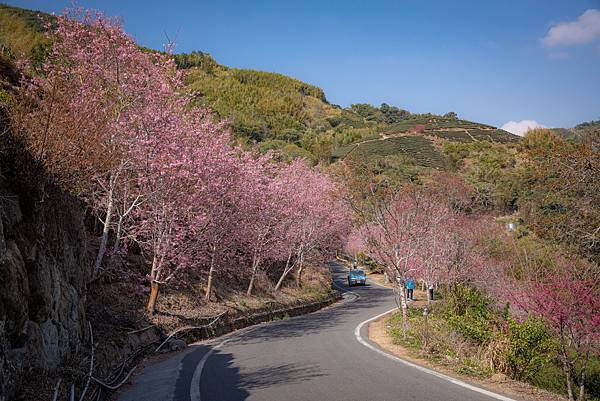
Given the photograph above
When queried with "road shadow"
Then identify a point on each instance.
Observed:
(224, 386)
(222, 380)
(269, 376)
(333, 318)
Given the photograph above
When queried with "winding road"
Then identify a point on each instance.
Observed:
(321, 356)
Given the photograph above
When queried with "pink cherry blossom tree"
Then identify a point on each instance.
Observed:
(187, 162)
(395, 236)
(82, 115)
(264, 209)
(355, 243)
(566, 296)
(314, 219)
(110, 123)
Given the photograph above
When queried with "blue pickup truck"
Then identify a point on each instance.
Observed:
(356, 276)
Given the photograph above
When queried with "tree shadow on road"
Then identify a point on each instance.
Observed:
(333, 318)
(271, 375)
(222, 380)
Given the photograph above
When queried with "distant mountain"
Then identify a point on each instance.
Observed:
(579, 132)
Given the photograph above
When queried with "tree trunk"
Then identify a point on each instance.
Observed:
(210, 278)
(429, 294)
(105, 230)
(404, 306)
(254, 270)
(151, 307)
(299, 275)
(582, 382)
(117, 245)
(285, 272)
(567, 371)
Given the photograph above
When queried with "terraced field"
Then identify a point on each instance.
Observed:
(413, 137)
(432, 123)
(453, 130)
(474, 134)
(418, 147)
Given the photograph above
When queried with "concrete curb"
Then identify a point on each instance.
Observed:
(227, 325)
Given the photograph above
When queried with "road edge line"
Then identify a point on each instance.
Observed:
(442, 376)
(197, 376)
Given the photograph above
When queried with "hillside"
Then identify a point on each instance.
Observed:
(286, 115)
(21, 32)
(261, 105)
(578, 132)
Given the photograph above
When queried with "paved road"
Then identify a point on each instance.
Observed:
(315, 357)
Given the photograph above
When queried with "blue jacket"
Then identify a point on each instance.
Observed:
(410, 284)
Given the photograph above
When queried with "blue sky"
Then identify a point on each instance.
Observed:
(489, 61)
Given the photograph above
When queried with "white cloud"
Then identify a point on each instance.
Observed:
(585, 29)
(521, 127)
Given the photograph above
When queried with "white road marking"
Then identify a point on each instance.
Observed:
(197, 376)
(461, 383)
(195, 384)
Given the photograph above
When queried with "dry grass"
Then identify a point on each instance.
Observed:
(379, 333)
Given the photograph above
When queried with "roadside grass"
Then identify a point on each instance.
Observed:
(519, 351)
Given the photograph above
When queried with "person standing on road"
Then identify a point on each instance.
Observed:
(410, 286)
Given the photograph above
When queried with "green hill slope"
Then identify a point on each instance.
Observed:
(21, 32)
(261, 105)
(284, 114)
(579, 132)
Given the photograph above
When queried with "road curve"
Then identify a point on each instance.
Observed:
(315, 357)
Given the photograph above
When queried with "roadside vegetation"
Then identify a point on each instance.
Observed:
(509, 247)
(210, 188)
(174, 206)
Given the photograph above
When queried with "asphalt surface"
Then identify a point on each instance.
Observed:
(315, 357)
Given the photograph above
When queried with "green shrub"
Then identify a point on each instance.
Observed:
(472, 368)
(4, 96)
(369, 263)
(467, 312)
(474, 328)
(530, 348)
(593, 378)
(465, 300)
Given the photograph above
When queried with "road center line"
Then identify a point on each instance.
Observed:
(461, 383)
